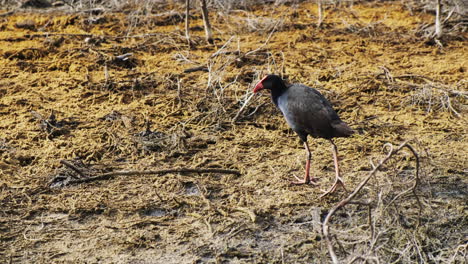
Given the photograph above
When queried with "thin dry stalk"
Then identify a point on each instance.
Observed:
(74, 168)
(246, 102)
(460, 250)
(438, 24)
(266, 41)
(187, 30)
(320, 13)
(206, 22)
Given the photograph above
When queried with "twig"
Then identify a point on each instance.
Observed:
(187, 29)
(124, 57)
(222, 48)
(416, 181)
(179, 91)
(458, 250)
(438, 24)
(392, 151)
(387, 73)
(246, 102)
(449, 15)
(206, 22)
(227, 52)
(320, 13)
(195, 69)
(450, 107)
(266, 41)
(109, 175)
(48, 34)
(256, 109)
(8, 13)
(74, 168)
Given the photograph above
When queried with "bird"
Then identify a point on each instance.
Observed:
(307, 112)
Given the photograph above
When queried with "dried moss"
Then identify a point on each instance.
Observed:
(361, 59)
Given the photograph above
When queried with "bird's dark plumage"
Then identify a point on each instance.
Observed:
(307, 112)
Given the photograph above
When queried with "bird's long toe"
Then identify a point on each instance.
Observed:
(306, 180)
(333, 188)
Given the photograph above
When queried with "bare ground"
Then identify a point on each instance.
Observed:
(143, 112)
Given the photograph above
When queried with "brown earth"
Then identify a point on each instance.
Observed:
(383, 77)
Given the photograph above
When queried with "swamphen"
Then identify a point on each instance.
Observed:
(307, 112)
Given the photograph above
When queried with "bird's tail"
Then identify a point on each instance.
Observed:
(342, 129)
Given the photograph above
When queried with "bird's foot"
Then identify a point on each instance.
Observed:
(306, 180)
(332, 189)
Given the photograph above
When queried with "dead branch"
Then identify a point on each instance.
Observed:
(227, 52)
(109, 175)
(187, 31)
(74, 168)
(206, 22)
(221, 50)
(8, 13)
(246, 102)
(195, 69)
(387, 74)
(438, 24)
(49, 34)
(320, 13)
(461, 249)
(342, 203)
(266, 41)
(415, 184)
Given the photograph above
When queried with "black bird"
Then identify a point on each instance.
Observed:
(307, 112)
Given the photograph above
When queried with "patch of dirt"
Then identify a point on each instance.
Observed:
(111, 92)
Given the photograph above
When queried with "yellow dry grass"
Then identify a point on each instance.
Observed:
(366, 59)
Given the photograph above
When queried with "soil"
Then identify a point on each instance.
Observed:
(110, 91)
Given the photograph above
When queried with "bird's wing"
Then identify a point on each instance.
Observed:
(306, 110)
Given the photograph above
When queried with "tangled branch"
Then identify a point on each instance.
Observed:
(392, 151)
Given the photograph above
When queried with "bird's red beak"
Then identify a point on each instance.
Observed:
(259, 85)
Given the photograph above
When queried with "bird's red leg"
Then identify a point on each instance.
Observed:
(338, 179)
(307, 178)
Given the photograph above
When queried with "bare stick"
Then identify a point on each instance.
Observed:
(195, 69)
(415, 184)
(392, 151)
(222, 48)
(187, 11)
(438, 25)
(266, 41)
(74, 168)
(246, 102)
(320, 13)
(8, 13)
(450, 107)
(48, 34)
(109, 175)
(206, 22)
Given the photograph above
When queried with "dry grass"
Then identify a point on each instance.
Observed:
(122, 100)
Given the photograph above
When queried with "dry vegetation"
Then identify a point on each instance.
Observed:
(122, 143)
